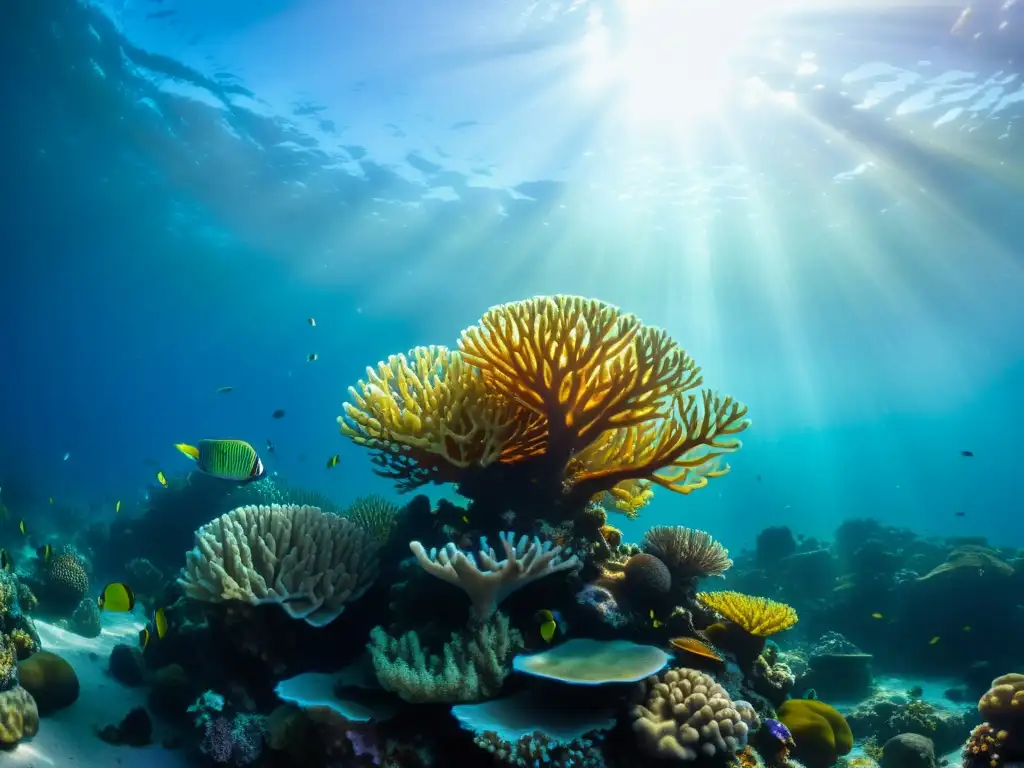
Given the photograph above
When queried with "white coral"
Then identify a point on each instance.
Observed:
(310, 563)
(488, 580)
(687, 714)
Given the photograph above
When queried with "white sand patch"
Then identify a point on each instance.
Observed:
(68, 737)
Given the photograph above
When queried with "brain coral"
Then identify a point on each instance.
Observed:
(19, 718)
(66, 579)
(310, 563)
(820, 732)
(687, 715)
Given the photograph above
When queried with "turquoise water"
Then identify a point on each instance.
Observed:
(822, 209)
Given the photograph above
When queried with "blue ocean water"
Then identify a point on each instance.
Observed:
(822, 208)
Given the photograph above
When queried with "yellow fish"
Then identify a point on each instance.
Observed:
(44, 553)
(143, 638)
(934, 640)
(877, 616)
(333, 461)
(117, 598)
(548, 624)
(657, 624)
(465, 519)
(160, 623)
(117, 507)
(161, 478)
(21, 527)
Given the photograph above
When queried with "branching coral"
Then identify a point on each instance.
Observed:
(628, 497)
(757, 616)
(584, 398)
(374, 514)
(686, 714)
(688, 553)
(488, 580)
(473, 664)
(309, 563)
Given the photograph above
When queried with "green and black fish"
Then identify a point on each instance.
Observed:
(234, 460)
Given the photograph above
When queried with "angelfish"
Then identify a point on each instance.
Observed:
(234, 460)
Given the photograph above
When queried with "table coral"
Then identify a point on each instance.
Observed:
(758, 616)
(566, 396)
(310, 563)
(686, 714)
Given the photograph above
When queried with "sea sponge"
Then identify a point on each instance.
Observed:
(758, 616)
(601, 397)
(820, 733)
(473, 664)
(646, 576)
(19, 717)
(686, 715)
(488, 580)
(310, 563)
(688, 552)
(50, 679)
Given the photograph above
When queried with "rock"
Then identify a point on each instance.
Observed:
(50, 679)
(126, 665)
(135, 730)
(908, 750)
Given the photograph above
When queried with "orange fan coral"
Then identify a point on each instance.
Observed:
(549, 396)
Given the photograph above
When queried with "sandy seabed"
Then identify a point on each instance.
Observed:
(67, 739)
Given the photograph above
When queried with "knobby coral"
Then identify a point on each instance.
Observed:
(488, 580)
(686, 714)
(574, 395)
(310, 563)
(757, 616)
(473, 665)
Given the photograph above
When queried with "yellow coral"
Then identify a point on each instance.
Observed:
(755, 615)
(1004, 698)
(628, 497)
(428, 415)
(574, 383)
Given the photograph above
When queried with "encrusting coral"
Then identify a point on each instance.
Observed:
(488, 580)
(310, 563)
(473, 664)
(686, 714)
(549, 402)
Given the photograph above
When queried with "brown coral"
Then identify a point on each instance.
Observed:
(19, 718)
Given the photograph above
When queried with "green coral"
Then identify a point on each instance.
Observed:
(374, 514)
(473, 664)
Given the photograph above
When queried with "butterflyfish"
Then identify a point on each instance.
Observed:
(44, 553)
(161, 478)
(116, 597)
(233, 460)
(160, 623)
(548, 624)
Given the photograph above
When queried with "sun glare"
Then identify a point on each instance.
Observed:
(667, 59)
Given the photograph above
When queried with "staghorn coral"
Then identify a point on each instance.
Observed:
(488, 580)
(583, 398)
(309, 563)
(374, 514)
(686, 715)
(473, 664)
(757, 616)
(688, 552)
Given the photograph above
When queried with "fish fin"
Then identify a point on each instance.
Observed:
(189, 450)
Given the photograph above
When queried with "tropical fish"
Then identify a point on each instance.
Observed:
(160, 623)
(21, 527)
(161, 478)
(934, 640)
(694, 646)
(548, 624)
(278, 414)
(45, 552)
(654, 622)
(877, 616)
(143, 638)
(116, 597)
(313, 357)
(333, 461)
(117, 507)
(51, 499)
(224, 389)
(968, 454)
(270, 446)
(312, 321)
(6, 564)
(234, 460)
